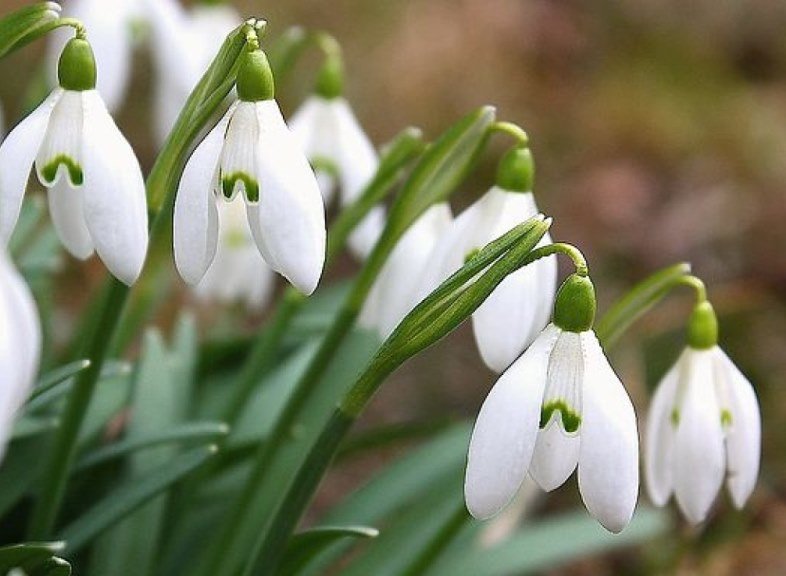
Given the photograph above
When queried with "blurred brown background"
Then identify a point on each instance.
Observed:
(659, 131)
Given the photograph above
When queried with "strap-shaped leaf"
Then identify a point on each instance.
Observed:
(27, 554)
(58, 375)
(305, 545)
(131, 495)
(26, 24)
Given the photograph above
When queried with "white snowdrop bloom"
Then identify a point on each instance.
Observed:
(515, 313)
(110, 26)
(704, 427)
(395, 291)
(251, 153)
(96, 189)
(20, 344)
(238, 273)
(184, 43)
(557, 407)
(331, 135)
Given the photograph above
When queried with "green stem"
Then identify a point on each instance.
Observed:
(513, 130)
(582, 269)
(63, 449)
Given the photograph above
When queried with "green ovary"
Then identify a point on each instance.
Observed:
(75, 175)
(571, 420)
(250, 185)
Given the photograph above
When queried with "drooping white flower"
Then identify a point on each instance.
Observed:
(704, 427)
(184, 43)
(238, 273)
(251, 153)
(515, 313)
(20, 344)
(96, 189)
(330, 134)
(110, 25)
(395, 291)
(557, 407)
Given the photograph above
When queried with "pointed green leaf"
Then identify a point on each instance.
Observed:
(131, 495)
(305, 545)
(25, 25)
(30, 553)
(58, 375)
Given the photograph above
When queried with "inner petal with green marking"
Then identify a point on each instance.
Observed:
(49, 172)
(234, 182)
(564, 379)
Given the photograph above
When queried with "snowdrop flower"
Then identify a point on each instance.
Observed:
(339, 149)
(20, 344)
(96, 190)
(516, 312)
(395, 291)
(252, 153)
(559, 406)
(111, 35)
(238, 272)
(704, 426)
(184, 44)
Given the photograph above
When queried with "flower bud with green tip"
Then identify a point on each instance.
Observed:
(704, 424)
(519, 309)
(559, 407)
(252, 153)
(96, 191)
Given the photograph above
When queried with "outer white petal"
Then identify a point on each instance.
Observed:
(365, 235)
(357, 159)
(195, 225)
(660, 437)
(114, 194)
(503, 439)
(17, 154)
(23, 326)
(609, 456)
(699, 459)
(291, 215)
(556, 455)
(314, 126)
(743, 436)
(66, 208)
(546, 270)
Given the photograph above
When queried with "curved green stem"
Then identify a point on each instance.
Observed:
(569, 250)
(513, 130)
(697, 284)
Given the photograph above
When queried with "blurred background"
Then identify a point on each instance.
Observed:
(659, 132)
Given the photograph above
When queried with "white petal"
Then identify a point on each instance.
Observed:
(699, 460)
(114, 194)
(365, 235)
(743, 435)
(556, 455)
(23, 326)
(503, 439)
(291, 216)
(315, 126)
(660, 437)
(66, 208)
(239, 163)
(356, 157)
(60, 155)
(195, 233)
(17, 154)
(609, 456)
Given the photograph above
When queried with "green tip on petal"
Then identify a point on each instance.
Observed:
(254, 77)
(76, 69)
(250, 186)
(75, 174)
(575, 305)
(330, 82)
(703, 327)
(516, 171)
(571, 420)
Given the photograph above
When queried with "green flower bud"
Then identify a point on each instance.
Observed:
(330, 82)
(703, 327)
(254, 77)
(516, 171)
(575, 305)
(76, 69)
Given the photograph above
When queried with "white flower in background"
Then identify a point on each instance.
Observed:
(96, 189)
(558, 407)
(340, 151)
(251, 151)
(20, 344)
(110, 25)
(515, 313)
(184, 43)
(238, 272)
(395, 291)
(704, 427)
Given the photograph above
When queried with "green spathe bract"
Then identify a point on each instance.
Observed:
(254, 77)
(76, 69)
(575, 306)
